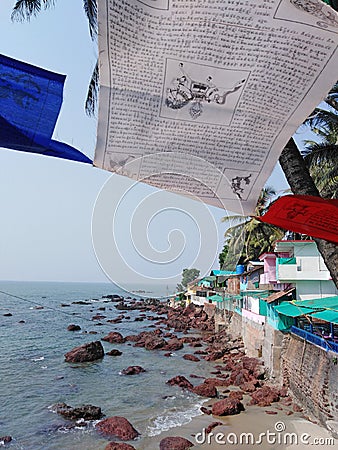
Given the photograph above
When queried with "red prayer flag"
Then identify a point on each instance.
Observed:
(313, 216)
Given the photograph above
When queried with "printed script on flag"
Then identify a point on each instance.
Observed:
(200, 97)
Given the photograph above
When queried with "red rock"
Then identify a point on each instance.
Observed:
(114, 352)
(180, 381)
(213, 425)
(191, 357)
(133, 370)
(117, 426)
(238, 395)
(85, 353)
(168, 354)
(264, 396)
(216, 382)
(288, 413)
(271, 412)
(205, 390)
(213, 356)
(248, 386)
(173, 345)
(227, 407)
(175, 443)
(118, 446)
(297, 408)
(153, 344)
(205, 410)
(73, 327)
(114, 338)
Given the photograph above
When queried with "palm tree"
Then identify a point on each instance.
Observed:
(247, 237)
(24, 10)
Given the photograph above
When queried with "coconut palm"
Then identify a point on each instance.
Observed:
(24, 10)
(247, 237)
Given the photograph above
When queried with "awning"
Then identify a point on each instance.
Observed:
(320, 303)
(216, 298)
(327, 315)
(291, 310)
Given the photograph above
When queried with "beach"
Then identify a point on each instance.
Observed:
(35, 376)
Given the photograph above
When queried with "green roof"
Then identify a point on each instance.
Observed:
(207, 279)
(327, 315)
(291, 310)
(319, 303)
(216, 298)
(218, 273)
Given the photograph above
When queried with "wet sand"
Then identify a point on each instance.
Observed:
(253, 420)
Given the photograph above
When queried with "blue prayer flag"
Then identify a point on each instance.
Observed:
(30, 102)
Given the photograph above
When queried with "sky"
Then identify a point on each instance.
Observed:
(47, 203)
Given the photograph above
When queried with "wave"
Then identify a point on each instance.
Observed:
(175, 417)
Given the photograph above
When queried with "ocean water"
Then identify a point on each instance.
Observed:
(34, 375)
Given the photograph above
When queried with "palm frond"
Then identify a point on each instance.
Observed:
(23, 10)
(93, 92)
(90, 8)
(320, 153)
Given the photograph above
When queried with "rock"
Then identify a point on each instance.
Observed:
(216, 382)
(73, 327)
(114, 352)
(205, 410)
(7, 314)
(168, 354)
(205, 390)
(114, 338)
(85, 353)
(227, 407)
(264, 396)
(213, 425)
(180, 381)
(289, 413)
(133, 370)
(297, 408)
(248, 386)
(117, 426)
(87, 412)
(5, 439)
(191, 358)
(153, 344)
(175, 443)
(118, 446)
(22, 321)
(173, 345)
(271, 412)
(238, 395)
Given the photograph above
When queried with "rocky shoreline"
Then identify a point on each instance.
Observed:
(239, 382)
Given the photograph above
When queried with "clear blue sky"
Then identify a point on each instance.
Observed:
(47, 203)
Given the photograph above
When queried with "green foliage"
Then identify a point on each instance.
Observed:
(247, 237)
(187, 276)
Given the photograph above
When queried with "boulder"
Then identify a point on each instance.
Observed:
(87, 412)
(118, 446)
(153, 344)
(85, 353)
(133, 370)
(205, 390)
(114, 352)
(114, 338)
(180, 381)
(213, 425)
(5, 439)
(190, 357)
(227, 407)
(173, 345)
(175, 443)
(117, 426)
(264, 396)
(73, 327)
(205, 410)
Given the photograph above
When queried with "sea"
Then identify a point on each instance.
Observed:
(34, 375)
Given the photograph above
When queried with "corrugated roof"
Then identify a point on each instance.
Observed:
(216, 298)
(218, 273)
(278, 295)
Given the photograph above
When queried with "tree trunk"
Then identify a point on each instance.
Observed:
(301, 183)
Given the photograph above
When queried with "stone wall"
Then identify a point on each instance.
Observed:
(235, 325)
(271, 352)
(253, 337)
(311, 374)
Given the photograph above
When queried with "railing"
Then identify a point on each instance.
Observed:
(326, 344)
